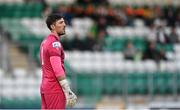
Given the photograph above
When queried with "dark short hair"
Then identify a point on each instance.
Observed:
(52, 18)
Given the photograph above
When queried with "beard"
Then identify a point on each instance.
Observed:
(59, 34)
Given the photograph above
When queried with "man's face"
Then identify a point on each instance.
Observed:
(59, 26)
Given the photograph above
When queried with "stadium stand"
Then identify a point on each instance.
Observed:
(95, 43)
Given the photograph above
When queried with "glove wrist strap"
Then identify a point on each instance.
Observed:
(65, 85)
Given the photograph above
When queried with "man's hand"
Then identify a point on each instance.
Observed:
(71, 98)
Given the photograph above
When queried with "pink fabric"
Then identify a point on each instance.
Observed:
(53, 101)
(55, 63)
(49, 82)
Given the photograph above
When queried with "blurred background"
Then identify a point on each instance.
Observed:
(120, 54)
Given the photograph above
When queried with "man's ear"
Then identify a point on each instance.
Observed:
(52, 27)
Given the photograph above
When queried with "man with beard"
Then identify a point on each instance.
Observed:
(55, 89)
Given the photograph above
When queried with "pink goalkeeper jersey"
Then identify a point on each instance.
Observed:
(50, 46)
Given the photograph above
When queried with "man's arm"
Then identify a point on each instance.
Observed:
(56, 65)
(59, 73)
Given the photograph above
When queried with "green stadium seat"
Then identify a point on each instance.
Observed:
(2, 11)
(142, 83)
(113, 83)
(131, 80)
(157, 83)
(170, 82)
(163, 83)
(137, 83)
(86, 84)
(166, 47)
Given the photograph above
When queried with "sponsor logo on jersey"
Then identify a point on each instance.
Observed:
(56, 44)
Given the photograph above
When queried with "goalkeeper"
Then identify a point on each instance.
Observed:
(55, 90)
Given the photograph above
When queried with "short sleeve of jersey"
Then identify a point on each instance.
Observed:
(54, 48)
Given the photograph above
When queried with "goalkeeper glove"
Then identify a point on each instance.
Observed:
(71, 98)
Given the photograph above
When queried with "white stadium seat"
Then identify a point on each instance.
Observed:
(139, 67)
(39, 73)
(129, 66)
(81, 26)
(8, 92)
(138, 23)
(178, 65)
(9, 86)
(171, 66)
(19, 72)
(70, 33)
(150, 66)
(177, 56)
(1, 73)
(119, 66)
(170, 55)
(177, 48)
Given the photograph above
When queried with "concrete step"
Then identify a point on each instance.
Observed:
(110, 103)
(17, 58)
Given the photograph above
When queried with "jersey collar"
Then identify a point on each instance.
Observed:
(53, 35)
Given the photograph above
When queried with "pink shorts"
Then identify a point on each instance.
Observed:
(53, 101)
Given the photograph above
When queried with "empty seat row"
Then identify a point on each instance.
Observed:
(36, 26)
(131, 32)
(20, 10)
(119, 44)
(79, 27)
(132, 83)
(109, 62)
(93, 56)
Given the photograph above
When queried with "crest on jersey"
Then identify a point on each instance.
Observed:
(56, 44)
